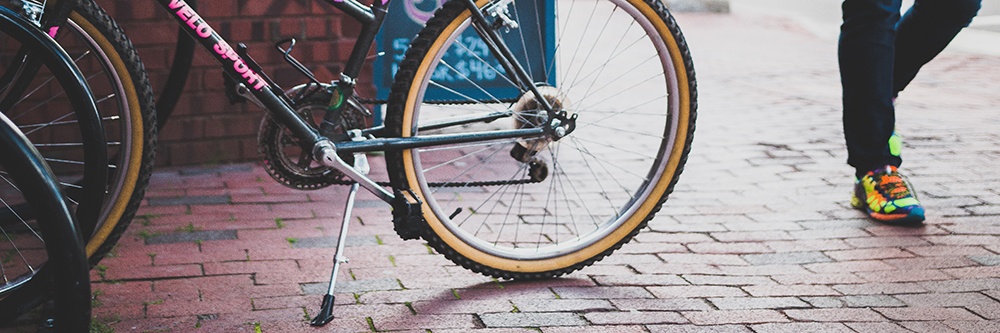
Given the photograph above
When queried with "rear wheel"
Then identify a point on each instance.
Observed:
(542, 207)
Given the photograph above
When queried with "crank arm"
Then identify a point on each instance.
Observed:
(326, 154)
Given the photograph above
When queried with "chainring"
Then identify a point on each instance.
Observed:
(284, 158)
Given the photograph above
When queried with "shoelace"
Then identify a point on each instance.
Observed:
(892, 184)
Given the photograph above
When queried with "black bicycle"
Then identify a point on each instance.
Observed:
(523, 139)
(41, 251)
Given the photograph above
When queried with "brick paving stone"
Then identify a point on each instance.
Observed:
(349, 286)
(751, 236)
(602, 292)
(947, 251)
(634, 317)
(717, 280)
(153, 272)
(929, 263)
(868, 254)
(877, 327)
(744, 303)
(541, 289)
(905, 276)
(189, 200)
(695, 291)
(963, 240)
(790, 290)
(557, 305)
(865, 301)
(987, 260)
(834, 315)
(589, 329)
(946, 299)
(487, 330)
(729, 248)
(901, 241)
(927, 327)
(927, 313)
(849, 266)
(879, 288)
(962, 285)
(672, 237)
(974, 326)
(888, 230)
(808, 245)
(790, 258)
(735, 317)
(665, 304)
(460, 306)
(698, 329)
(626, 258)
(706, 227)
(763, 270)
(825, 278)
(643, 280)
(679, 269)
(800, 327)
(988, 311)
(408, 321)
(710, 259)
(828, 233)
(767, 225)
(533, 319)
(974, 272)
(193, 236)
(653, 248)
(824, 302)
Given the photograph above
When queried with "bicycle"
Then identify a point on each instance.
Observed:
(547, 168)
(110, 192)
(42, 251)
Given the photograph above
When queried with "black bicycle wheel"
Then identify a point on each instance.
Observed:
(542, 207)
(125, 105)
(41, 252)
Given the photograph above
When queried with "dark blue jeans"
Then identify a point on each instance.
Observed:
(880, 53)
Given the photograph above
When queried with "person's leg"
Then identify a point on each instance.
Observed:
(866, 53)
(924, 31)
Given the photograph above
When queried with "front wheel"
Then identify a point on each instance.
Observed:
(543, 207)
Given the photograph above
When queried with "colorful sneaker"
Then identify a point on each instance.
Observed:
(887, 198)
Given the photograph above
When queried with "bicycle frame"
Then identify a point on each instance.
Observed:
(238, 65)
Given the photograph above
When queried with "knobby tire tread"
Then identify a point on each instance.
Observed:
(96, 17)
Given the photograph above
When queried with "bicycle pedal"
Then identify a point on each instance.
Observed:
(407, 217)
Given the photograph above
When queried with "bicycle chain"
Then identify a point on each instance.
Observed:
(301, 181)
(439, 102)
(483, 183)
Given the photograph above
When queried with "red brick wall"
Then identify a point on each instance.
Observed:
(204, 127)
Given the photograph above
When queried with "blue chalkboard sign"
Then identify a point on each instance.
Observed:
(473, 60)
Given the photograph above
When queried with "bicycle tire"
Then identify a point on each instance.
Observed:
(65, 274)
(32, 201)
(129, 113)
(535, 225)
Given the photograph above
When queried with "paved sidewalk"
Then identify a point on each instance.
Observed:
(758, 237)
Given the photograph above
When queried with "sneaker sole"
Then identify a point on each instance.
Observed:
(914, 217)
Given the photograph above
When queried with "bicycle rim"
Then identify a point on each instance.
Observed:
(122, 117)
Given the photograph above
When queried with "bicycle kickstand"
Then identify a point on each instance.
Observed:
(326, 308)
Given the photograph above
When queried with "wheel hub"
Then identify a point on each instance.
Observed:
(529, 113)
